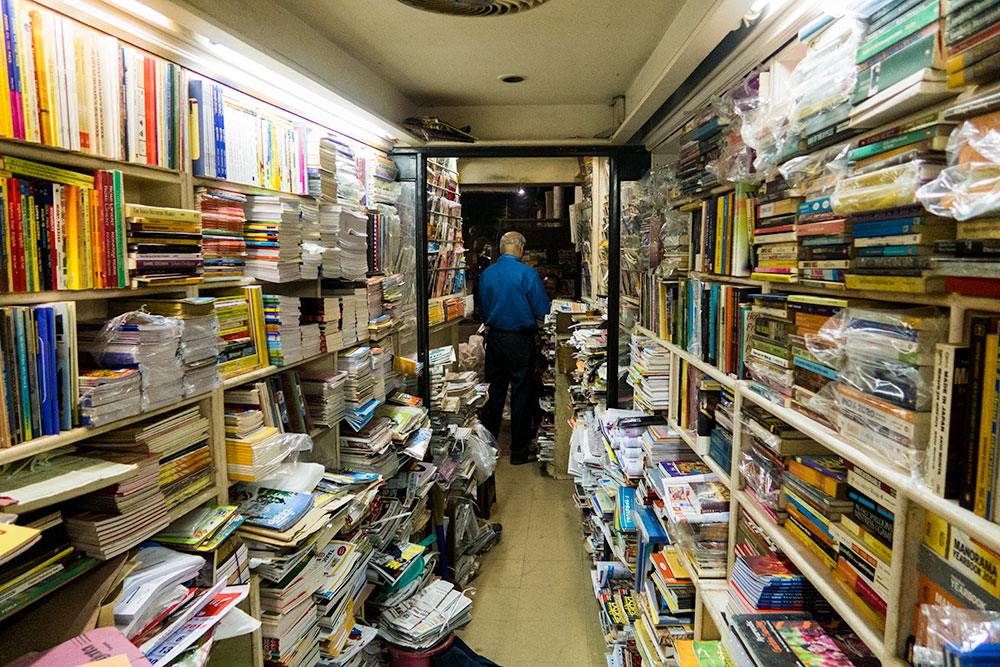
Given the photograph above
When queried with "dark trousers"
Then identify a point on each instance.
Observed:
(510, 360)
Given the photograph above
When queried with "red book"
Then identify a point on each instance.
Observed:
(16, 231)
(54, 254)
(149, 72)
(110, 230)
(826, 227)
(102, 232)
(764, 231)
(978, 286)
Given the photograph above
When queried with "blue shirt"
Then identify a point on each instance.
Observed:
(512, 295)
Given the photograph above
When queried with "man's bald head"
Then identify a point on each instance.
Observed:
(512, 243)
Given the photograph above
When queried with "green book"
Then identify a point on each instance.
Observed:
(897, 142)
(922, 54)
(897, 30)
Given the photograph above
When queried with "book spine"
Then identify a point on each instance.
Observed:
(987, 429)
(974, 561)
(937, 451)
(980, 328)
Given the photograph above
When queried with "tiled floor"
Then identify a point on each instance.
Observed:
(534, 604)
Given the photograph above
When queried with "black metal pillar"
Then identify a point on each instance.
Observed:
(423, 332)
(614, 276)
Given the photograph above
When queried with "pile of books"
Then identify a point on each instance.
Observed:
(222, 221)
(703, 140)
(774, 232)
(324, 394)
(359, 386)
(768, 583)
(369, 449)
(311, 258)
(284, 341)
(324, 311)
(428, 617)
(790, 638)
(353, 310)
(767, 359)
(147, 343)
(178, 440)
(649, 374)
(165, 245)
(329, 239)
(273, 233)
(720, 439)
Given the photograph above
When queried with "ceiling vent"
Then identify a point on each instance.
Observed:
(473, 7)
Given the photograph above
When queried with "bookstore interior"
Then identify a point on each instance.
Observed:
(243, 356)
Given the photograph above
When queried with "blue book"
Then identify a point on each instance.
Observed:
(624, 504)
(892, 227)
(985, 655)
(650, 524)
(47, 380)
(220, 132)
(271, 508)
(814, 367)
(891, 251)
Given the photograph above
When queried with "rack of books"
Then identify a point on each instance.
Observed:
(446, 252)
(828, 335)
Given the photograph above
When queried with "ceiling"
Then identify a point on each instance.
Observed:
(572, 52)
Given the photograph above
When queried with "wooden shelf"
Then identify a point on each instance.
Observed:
(33, 298)
(819, 574)
(49, 442)
(714, 594)
(223, 184)
(267, 371)
(78, 160)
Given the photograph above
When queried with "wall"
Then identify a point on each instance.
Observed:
(520, 171)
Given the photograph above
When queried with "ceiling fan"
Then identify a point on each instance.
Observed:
(473, 7)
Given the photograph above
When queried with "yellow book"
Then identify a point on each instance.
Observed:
(43, 77)
(45, 172)
(984, 468)
(778, 263)
(14, 539)
(38, 568)
(73, 240)
(978, 229)
(162, 213)
(913, 284)
(936, 533)
(96, 261)
(256, 302)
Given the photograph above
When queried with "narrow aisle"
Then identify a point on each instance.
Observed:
(534, 604)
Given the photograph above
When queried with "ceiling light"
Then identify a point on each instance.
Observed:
(513, 78)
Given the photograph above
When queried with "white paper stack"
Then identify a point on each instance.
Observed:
(311, 248)
(353, 244)
(311, 340)
(329, 239)
(199, 349)
(425, 619)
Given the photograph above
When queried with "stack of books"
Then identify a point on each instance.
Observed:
(864, 540)
(104, 535)
(698, 511)
(178, 440)
(767, 359)
(353, 244)
(971, 39)
(324, 311)
(359, 386)
(649, 374)
(199, 345)
(311, 259)
(284, 342)
(329, 239)
(272, 233)
(775, 250)
(703, 140)
(353, 311)
(324, 394)
(768, 583)
(222, 221)
(165, 245)
(147, 343)
(369, 449)
(900, 63)
(810, 338)
(783, 638)
(255, 455)
(312, 339)
(720, 440)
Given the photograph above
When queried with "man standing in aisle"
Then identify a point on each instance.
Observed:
(513, 298)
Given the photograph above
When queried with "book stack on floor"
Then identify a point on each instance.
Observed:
(767, 358)
(272, 233)
(775, 250)
(222, 220)
(178, 440)
(324, 394)
(284, 342)
(165, 245)
(360, 385)
(242, 331)
(147, 343)
(900, 63)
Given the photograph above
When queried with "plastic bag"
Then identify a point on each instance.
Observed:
(118, 341)
(472, 355)
(943, 629)
(964, 191)
(884, 188)
(481, 446)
